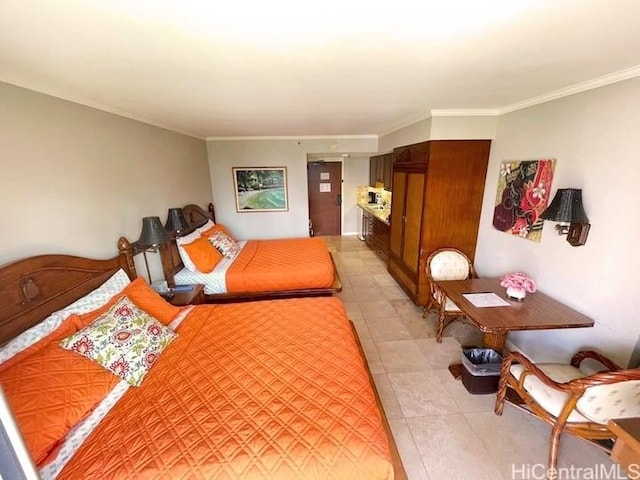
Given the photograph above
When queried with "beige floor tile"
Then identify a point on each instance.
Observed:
(373, 358)
(385, 280)
(401, 356)
(440, 355)
(387, 328)
(347, 294)
(387, 396)
(451, 450)
(364, 335)
(367, 294)
(409, 454)
(465, 401)
(377, 308)
(394, 293)
(353, 309)
(362, 281)
(421, 394)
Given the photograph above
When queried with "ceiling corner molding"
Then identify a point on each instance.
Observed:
(101, 107)
(292, 137)
(573, 89)
(465, 112)
(405, 124)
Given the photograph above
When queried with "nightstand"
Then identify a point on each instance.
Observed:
(192, 297)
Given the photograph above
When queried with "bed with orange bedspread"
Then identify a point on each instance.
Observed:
(289, 267)
(274, 389)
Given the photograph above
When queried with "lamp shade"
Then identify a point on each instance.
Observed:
(176, 222)
(153, 233)
(566, 207)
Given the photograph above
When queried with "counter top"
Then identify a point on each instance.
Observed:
(381, 214)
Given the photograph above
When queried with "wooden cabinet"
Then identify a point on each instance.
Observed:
(376, 234)
(437, 198)
(381, 170)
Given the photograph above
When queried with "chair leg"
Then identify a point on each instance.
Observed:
(502, 392)
(554, 448)
(442, 323)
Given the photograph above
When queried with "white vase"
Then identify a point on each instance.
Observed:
(517, 293)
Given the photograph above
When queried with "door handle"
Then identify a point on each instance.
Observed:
(339, 199)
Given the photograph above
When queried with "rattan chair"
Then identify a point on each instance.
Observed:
(446, 264)
(567, 398)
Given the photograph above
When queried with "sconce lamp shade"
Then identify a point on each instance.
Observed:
(153, 233)
(176, 222)
(566, 207)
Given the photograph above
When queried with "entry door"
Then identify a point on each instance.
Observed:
(324, 180)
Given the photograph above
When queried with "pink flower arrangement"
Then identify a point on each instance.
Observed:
(519, 281)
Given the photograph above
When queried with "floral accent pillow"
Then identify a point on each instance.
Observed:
(125, 340)
(226, 245)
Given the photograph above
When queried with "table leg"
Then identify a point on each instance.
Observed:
(494, 340)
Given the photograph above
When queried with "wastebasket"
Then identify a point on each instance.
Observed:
(481, 372)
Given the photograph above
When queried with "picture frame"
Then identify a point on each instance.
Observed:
(260, 189)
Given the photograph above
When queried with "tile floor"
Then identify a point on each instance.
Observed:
(441, 430)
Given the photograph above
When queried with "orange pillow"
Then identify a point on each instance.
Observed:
(217, 228)
(203, 255)
(138, 291)
(51, 390)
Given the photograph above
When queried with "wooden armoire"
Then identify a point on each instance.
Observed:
(437, 197)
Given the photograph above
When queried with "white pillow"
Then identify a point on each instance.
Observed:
(93, 300)
(205, 227)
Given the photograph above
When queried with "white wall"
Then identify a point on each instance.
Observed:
(463, 127)
(75, 179)
(441, 128)
(593, 137)
(225, 154)
(414, 133)
(355, 173)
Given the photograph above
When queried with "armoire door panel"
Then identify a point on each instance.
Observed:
(397, 212)
(413, 220)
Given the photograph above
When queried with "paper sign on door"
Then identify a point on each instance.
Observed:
(324, 176)
(325, 187)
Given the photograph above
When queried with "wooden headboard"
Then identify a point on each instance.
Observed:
(33, 288)
(171, 261)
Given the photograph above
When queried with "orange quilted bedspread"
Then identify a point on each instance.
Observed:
(282, 264)
(274, 389)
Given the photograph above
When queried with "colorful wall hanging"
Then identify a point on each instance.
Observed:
(523, 193)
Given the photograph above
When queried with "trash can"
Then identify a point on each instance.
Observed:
(481, 372)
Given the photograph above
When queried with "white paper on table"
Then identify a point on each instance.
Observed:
(485, 300)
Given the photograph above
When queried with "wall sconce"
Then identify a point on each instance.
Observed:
(153, 235)
(176, 223)
(566, 208)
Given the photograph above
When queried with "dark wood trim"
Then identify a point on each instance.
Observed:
(33, 288)
(398, 467)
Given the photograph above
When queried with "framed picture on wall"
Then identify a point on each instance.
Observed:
(260, 189)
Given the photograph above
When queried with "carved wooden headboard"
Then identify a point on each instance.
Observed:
(33, 288)
(171, 261)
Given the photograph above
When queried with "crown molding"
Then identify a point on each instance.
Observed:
(98, 106)
(405, 124)
(573, 89)
(466, 112)
(294, 137)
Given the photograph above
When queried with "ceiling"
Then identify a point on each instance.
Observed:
(285, 68)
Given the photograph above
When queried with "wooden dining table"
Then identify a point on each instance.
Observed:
(536, 311)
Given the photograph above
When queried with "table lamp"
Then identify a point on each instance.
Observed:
(176, 223)
(153, 235)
